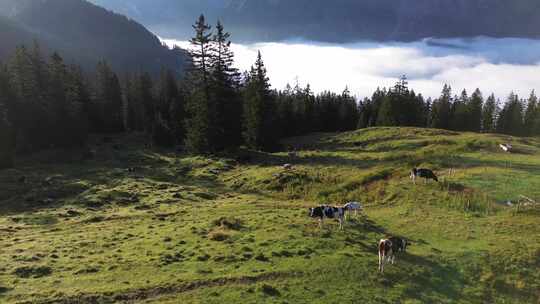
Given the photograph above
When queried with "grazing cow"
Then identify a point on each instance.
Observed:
(386, 253)
(287, 166)
(325, 211)
(506, 147)
(424, 173)
(388, 248)
(352, 207)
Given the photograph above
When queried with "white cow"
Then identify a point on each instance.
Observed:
(353, 207)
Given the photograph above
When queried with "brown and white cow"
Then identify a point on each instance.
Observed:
(385, 253)
(388, 248)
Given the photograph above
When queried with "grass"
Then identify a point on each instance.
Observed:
(149, 226)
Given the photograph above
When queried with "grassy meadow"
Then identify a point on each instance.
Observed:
(141, 225)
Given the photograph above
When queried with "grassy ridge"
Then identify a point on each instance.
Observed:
(135, 225)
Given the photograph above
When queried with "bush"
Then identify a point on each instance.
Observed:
(228, 223)
(269, 290)
(32, 272)
(218, 235)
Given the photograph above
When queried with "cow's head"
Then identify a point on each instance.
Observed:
(311, 211)
(413, 172)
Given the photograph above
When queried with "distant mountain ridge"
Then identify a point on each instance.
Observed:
(340, 20)
(84, 33)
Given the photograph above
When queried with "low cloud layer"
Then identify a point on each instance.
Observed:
(493, 65)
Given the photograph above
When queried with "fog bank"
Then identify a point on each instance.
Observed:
(493, 65)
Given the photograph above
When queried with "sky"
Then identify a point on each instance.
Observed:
(495, 65)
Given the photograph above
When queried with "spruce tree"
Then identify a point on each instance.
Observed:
(531, 115)
(510, 120)
(488, 114)
(441, 109)
(224, 92)
(7, 129)
(169, 107)
(78, 103)
(58, 107)
(474, 117)
(460, 112)
(107, 103)
(387, 112)
(258, 109)
(200, 132)
(27, 80)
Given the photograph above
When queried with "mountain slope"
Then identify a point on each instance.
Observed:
(85, 33)
(340, 20)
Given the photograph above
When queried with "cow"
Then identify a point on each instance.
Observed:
(385, 253)
(288, 167)
(352, 207)
(388, 248)
(506, 147)
(424, 173)
(326, 211)
(398, 244)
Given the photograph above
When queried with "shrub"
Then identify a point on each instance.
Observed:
(32, 272)
(218, 235)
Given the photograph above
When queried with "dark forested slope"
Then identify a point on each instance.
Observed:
(84, 33)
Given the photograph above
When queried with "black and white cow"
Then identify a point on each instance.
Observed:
(326, 211)
(398, 244)
(388, 248)
(426, 174)
(351, 207)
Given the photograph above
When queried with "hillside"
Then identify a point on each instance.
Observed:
(85, 33)
(341, 20)
(152, 226)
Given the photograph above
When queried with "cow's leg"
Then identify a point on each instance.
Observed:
(392, 258)
(381, 261)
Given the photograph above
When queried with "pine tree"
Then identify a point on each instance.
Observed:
(488, 114)
(258, 109)
(531, 115)
(200, 131)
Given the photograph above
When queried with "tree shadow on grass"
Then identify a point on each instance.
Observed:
(53, 186)
(427, 278)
